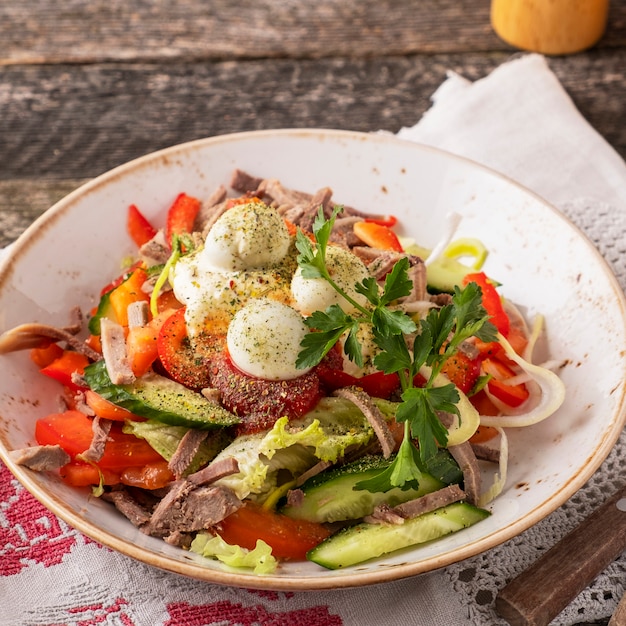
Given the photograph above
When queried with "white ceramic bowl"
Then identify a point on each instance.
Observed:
(544, 263)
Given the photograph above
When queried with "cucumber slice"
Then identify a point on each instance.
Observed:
(331, 497)
(159, 398)
(362, 542)
(105, 309)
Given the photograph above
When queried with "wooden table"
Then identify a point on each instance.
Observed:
(85, 86)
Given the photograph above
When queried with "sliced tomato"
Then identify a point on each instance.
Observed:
(260, 402)
(512, 395)
(181, 216)
(462, 371)
(45, 355)
(289, 538)
(72, 430)
(491, 301)
(179, 358)
(68, 363)
(376, 384)
(139, 228)
(377, 236)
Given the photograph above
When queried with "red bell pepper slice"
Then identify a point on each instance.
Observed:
(72, 430)
(68, 363)
(139, 228)
(376, 384)
(377, 236)
(512, 395)
(181, 216)
(491, 301)
(384, 220)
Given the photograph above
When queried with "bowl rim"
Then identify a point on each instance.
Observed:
(346, 579)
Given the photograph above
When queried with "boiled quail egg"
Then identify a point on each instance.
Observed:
(264, 338)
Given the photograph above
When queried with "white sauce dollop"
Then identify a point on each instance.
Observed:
(248, 236)
(264, 338)
(247, 254)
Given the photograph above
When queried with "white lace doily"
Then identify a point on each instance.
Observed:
(478, 579)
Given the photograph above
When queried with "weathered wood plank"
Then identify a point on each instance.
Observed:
(77, 121)
(23, 201)
(74, 31)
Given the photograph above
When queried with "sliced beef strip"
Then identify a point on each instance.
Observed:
(187, 508)
(179, 539)
(35, 335)
(215, 203)
(384, 514)
(156, 251)
(207, 219)
(214, 471)
(101, 429)
(272, 191)
(430, 501)
(375, 418)
(486, 453)
(465, 457)
(81, 405)
(186, 451)
(318, 468)
(128, 506)
(379, 264)
(138, 314)
(41, 458)
(114, 352)
(243, 182)
(295, 497)
(321, 198)
(416, 507)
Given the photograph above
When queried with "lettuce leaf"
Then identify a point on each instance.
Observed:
(165, 439)
(322, 434)
(213, 546)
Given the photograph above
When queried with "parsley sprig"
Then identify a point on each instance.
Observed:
(406, 349)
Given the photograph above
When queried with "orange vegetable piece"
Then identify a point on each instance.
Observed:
(377, 236)
(289, 538)
(128, 292)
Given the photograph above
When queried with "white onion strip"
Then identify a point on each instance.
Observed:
(499, 479)
(552, 393)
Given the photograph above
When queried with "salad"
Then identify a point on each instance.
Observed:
(273, 377)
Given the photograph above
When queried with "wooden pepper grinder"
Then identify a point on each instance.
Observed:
(552, 27)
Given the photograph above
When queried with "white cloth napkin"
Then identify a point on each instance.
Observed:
(520, 122)
(517, 120)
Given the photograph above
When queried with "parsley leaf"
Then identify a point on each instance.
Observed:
(435, 338)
